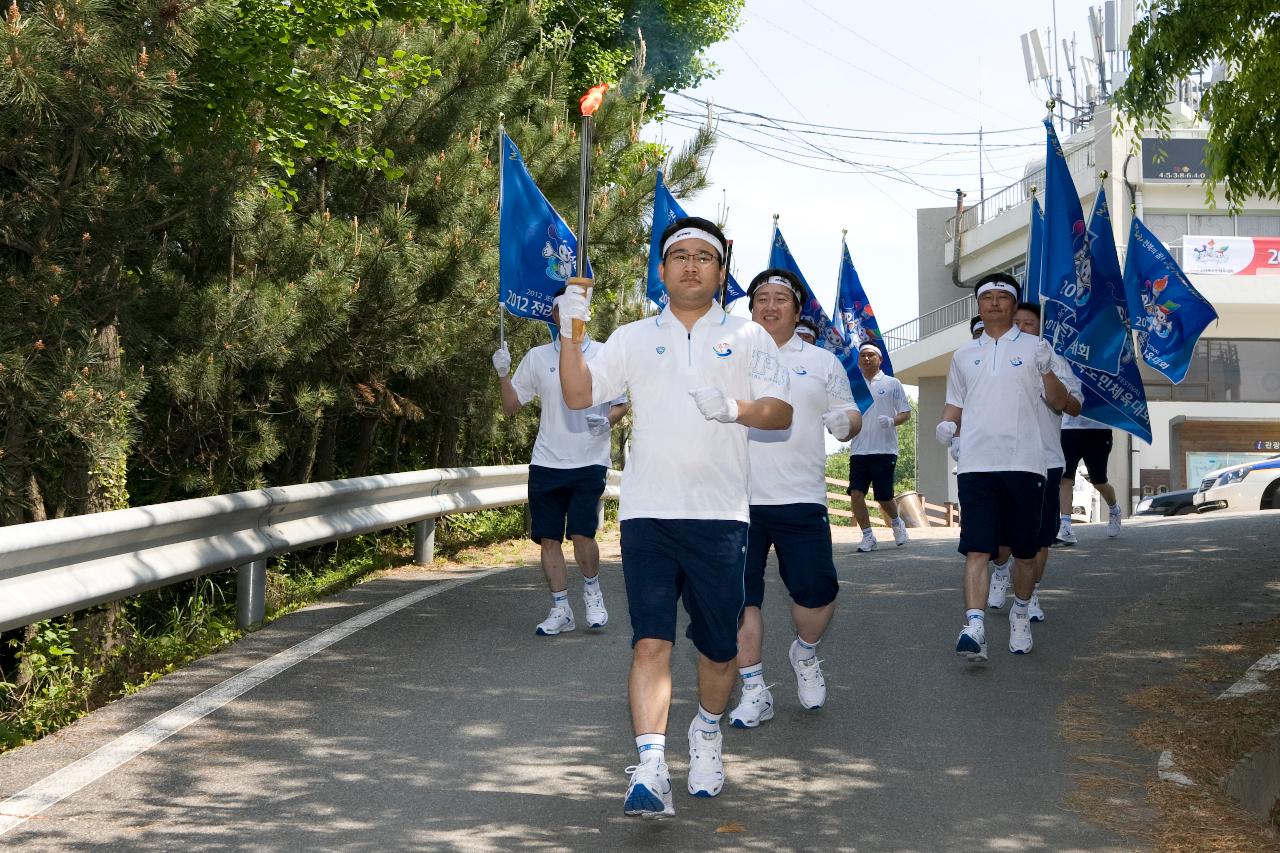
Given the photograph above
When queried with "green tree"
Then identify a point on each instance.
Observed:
(1176, 39)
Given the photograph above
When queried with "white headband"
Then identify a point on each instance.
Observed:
(875, 349)
(692, 233)
(999, 285)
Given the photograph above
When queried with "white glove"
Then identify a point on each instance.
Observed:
(1044, 357)
(837, 423)
(502, 361)
(573, 305)
(944, 432)
(885, 421)
(597, 424)
(955, 448)
(714, 405)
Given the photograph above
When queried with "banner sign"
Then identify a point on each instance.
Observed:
(1231, 255)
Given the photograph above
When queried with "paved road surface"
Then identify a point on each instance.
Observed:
(448, 726)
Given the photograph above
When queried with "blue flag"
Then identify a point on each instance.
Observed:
(665, 211)
(1101, 317)
(1035, 255)
(1167, 312)
(1066, 252)
(854, 310)
(829, 337)
(536, 249)
(1118, 400)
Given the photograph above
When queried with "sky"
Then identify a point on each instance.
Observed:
(903, 74)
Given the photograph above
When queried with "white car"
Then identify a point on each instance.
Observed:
(1241, 488)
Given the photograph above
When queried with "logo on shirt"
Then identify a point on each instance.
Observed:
(553, 370)
(659, 350)
(977, 361)
(800, 371)
(1015, 361)
(881, 392)
(722, 350)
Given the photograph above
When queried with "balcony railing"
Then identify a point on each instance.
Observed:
(1016, 194)
(930, 324)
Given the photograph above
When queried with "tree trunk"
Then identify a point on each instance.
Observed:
(325, 452)
(394, 464)
(364, 446)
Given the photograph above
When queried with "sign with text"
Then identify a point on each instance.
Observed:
(1231, 255)
(1175, 161)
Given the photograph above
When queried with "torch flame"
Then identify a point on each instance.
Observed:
(591, 101)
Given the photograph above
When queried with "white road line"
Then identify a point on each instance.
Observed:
(56, 787)
(1251, 681)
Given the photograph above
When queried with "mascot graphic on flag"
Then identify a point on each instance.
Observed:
(559, 255)
(1084, 267)
(1158, 313)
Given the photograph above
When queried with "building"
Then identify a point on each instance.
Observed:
(1227, 409)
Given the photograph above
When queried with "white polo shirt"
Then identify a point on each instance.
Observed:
(887, 398)
(996, 383)
(563, 438)
(1051, 421)
(788, 466)
(682, 465)
(1081, 422)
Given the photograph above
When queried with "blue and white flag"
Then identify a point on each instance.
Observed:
(1118, 400)
(1101, 317)
(829, 337)
(536, 249)
(665, 211)
(854, 310)
(1167, 312)
(1035, 255)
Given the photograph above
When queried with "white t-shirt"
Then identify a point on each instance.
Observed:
(682, 465)
(887, 398)
(1051, 421)
(788, 466)
(1081, 422)
(563, 438)
(999, 389)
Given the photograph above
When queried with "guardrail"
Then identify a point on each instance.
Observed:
(1016, 194)
(49, 568)
(935, 321)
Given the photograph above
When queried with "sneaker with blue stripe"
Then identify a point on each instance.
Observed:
(972, 643)
(649, 794)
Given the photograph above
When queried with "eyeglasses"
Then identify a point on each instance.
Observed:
(702, 259)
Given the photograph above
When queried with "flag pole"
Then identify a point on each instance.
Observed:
(502, 308)
(588, 104)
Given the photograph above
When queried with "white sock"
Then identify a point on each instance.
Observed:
(560, 599)
(652, 748)
(752, 676)
(802, 651)
(978, 616)
(1066, 520)
(1003, 568)
(591, 585)
(706, 722)
(1020, 606)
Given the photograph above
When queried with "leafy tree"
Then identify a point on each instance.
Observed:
(1176, 39)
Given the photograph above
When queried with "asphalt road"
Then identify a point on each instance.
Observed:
(447, 725)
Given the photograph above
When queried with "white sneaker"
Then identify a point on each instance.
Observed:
(811, 687)
(755, 707)
(1019, 634)
(597, 616)
(972, 643)
(868, 542)
(899, 531)
(1065, 536)
(649, 794)
(1113, 522)
(1033, 609)
(998, 591)
(706, 768)
(558, 621)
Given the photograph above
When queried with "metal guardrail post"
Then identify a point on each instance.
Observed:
(424, 542)
(251, 594)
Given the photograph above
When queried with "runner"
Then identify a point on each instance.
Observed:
(807, 331)
(873, 455)
(789, 502)
(1090, 440)
(697, 379)
(566, 475)
(975, 327)
(993, 388)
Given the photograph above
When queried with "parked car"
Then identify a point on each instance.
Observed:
(1180, 502)
(1241, 488)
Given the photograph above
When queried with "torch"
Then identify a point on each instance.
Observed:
(589, 103)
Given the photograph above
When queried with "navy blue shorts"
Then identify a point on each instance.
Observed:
(1091, 445)
(698, 561)
(564, 500)
(1049, 517)
(1000, 507)
(874, 470)
(801, 535)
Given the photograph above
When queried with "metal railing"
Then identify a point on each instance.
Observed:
(1016, 194)
(930, 324)
(49, 568)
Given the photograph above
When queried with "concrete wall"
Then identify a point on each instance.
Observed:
(934, 479)
(932, 264)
